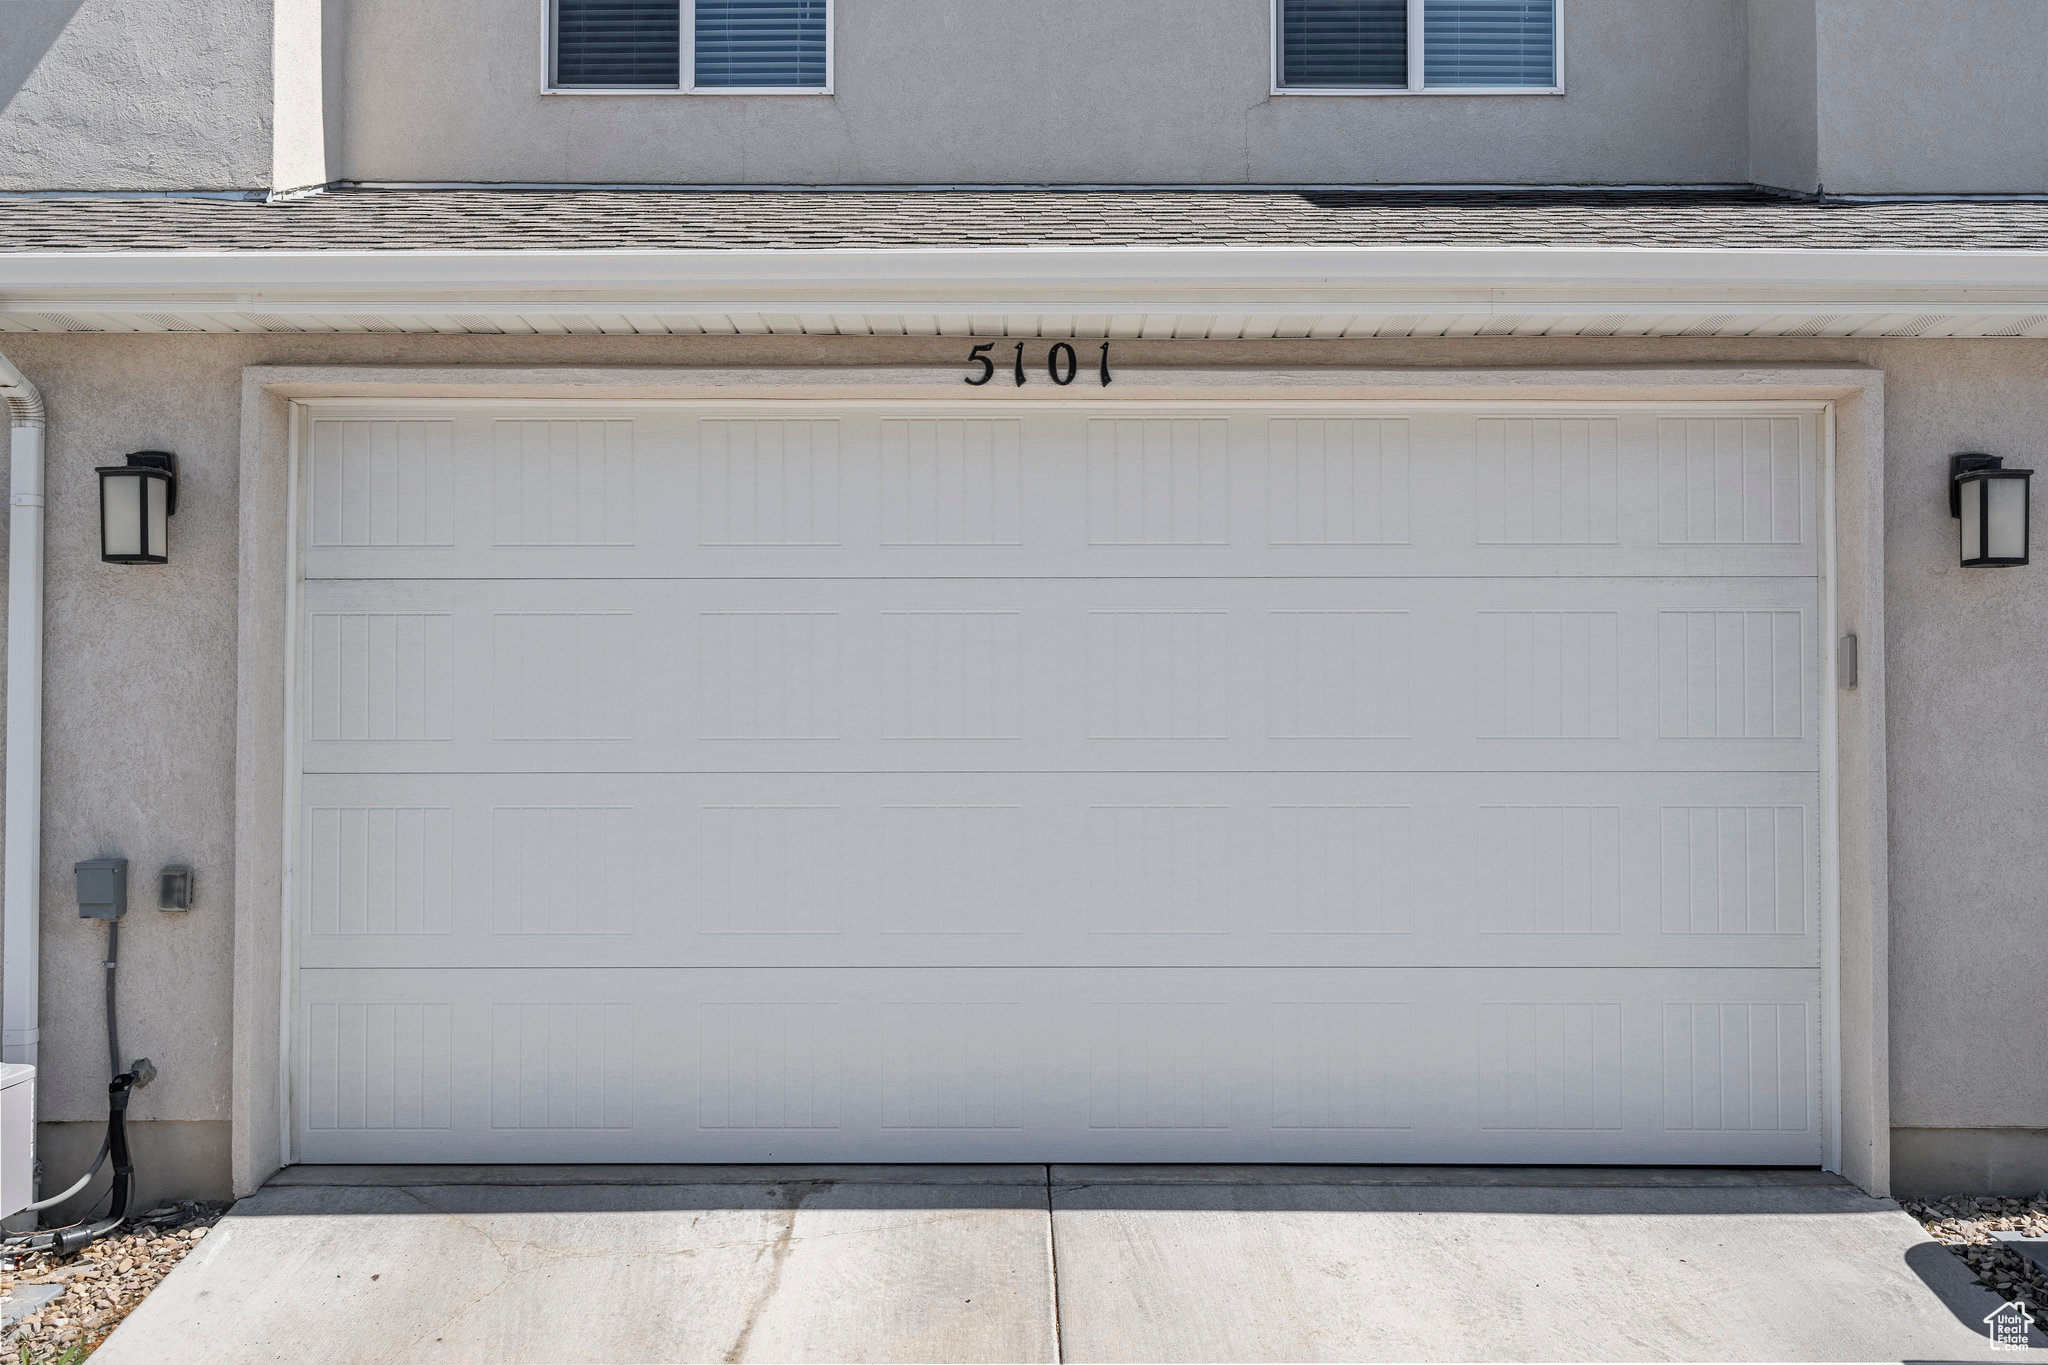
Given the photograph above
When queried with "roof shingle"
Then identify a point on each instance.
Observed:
(725, 220)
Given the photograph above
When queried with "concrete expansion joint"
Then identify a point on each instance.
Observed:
(793, 1196)
(1052, 1270)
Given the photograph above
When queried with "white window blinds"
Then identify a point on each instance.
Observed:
(1344, 43)
(776, 44)
(615, 44)
(1489, 43)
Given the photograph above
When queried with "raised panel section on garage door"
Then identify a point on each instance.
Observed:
(1145, 870)
(1061, 675)
(1284, 1064)
(812, 782)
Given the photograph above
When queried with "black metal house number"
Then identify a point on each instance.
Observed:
(1061, 364)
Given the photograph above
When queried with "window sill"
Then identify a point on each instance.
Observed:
(672, 91)
(1372, 91)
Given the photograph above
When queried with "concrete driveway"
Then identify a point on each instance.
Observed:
(1095, 1263)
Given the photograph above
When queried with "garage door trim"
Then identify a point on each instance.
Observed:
(1829, 934)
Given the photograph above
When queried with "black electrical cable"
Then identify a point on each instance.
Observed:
(114, 1068)
(66, 1241)
(92, 1211)
(73, 1240)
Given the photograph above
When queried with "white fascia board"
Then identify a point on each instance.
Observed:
(1250, 265)
(1404, 279)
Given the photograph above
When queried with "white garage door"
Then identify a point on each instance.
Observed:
(786, 782)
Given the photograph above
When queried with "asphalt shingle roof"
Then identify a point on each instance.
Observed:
(478, 219)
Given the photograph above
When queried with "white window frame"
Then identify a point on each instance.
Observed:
(1416, 65)
(686, 57)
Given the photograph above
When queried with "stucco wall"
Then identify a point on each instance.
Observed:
(113, 94)
(1140, 91)
(141, 685)
(138, 729)
(1858, 96)
(1932, 96)
(1783, 67)
(1969, 752)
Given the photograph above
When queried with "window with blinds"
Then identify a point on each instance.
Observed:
(775, 44)
(616, 44)
(1489, 43)
(1462, 44)
(734, 45)
(1344, 44)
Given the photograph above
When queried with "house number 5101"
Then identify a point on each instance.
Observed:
(1061, 364)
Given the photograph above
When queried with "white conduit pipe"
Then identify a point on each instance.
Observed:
(20, 914)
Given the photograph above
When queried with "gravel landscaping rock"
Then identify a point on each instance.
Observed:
(96, 1288)
(1965, 1223)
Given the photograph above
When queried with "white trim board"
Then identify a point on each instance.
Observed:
(1241, 293)
(1854, 393)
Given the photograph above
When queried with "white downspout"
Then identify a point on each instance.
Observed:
(20, 973)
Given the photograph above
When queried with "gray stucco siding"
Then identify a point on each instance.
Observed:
(110, 94)
(1857, 96)
(1924, 97)
(1140, 92)
(1968, 752)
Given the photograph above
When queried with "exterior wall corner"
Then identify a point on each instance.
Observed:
(1862, 955)
(260, 788)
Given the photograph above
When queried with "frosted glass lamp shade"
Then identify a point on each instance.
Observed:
(1990, 503)
(136, 503)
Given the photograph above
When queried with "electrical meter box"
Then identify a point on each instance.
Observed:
(102, 888)
(17, 1138)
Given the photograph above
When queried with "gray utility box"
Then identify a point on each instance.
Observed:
(102, 888)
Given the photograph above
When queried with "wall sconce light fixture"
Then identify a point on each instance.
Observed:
(136, 503)
(1991, 503)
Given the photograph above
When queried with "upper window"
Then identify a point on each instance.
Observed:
(1418, 45)
(735, 46)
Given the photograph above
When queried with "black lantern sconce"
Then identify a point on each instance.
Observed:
(137, 500)
(1991, 502)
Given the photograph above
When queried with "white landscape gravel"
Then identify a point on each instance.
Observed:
(96, 1288)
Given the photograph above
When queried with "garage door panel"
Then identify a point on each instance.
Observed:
(1459, 557)
(975, 490)
(1145, 869)
(1058, 1065)
(875, 675)
(1091, 782)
